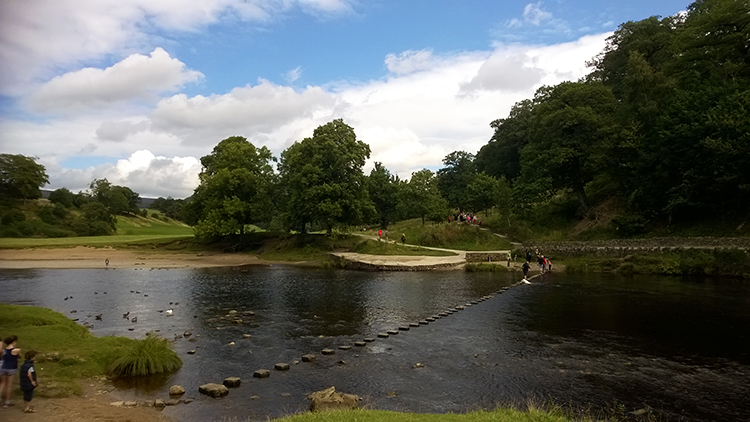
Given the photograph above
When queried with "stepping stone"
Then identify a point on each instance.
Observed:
(368, 339)
(191, 352)
(404, 328)
(392, 332)
(345, 347)
(430, 319)
(281, 367)
(360, 343)
(328, 351)
(469, 304)
(383, 335)
(308, 358)
(262, 373)
(232, 382)
(423, 322)
(460, 308)
(436, 317)
(442, 314)
(413, 324)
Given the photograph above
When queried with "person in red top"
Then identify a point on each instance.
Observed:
(380, 234)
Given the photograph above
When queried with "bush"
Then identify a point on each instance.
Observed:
(150, 356)
(13, 216)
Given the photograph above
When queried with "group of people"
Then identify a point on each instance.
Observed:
(466, 218)
(9, 368)
(382, 234)
(545, 264)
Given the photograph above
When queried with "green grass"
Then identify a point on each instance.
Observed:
(483, 267)
(150, 356)
(498, 415)
(444, 235)
(130, 230)
(81, 355)
(373, 247)
(301, 247)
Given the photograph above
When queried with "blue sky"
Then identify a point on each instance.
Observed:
(138, 90)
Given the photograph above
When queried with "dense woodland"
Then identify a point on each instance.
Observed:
(659, 128)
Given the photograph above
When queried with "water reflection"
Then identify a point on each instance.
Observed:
(675, 345)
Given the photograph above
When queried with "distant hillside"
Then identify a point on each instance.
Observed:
(145, 202)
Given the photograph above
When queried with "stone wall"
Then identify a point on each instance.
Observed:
(486, 257)
(627, 246)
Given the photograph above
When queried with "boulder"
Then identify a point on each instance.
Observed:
(308, 358)
(213, 390)
(176, 390)
(262, 373)
(329, 399)
(232, 382)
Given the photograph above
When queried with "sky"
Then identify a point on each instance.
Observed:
(136, 91)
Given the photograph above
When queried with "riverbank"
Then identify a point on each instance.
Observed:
(89, 257)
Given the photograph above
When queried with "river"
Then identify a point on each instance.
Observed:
(677, 346)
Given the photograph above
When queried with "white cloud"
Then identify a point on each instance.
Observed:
(137, 76)
(118, 131)
(534, 14)
(294, 74)
(38, 38)
(409, 61)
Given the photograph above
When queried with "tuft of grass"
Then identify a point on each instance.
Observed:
(373, 247)
(79, 353)
(150, 356)
(497, 415)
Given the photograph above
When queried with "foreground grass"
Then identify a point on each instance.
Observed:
(81, 355)
(498, 415)
(459, 236)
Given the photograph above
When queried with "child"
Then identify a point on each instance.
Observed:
(9, 367)
(28, 380)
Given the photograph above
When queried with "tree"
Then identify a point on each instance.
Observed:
(117, 199)
(383, 189)
(455, 176)
(485, 192)
(501, 157)
(62, 196)
(570, 122)
(323, 181)
(236, 186)
(420, 197)
(21, 177)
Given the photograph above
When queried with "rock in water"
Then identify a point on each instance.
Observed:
(329, 399)
(213, 390)
(176, 390)
(232, 382)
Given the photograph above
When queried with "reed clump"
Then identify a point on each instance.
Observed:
(152, 355)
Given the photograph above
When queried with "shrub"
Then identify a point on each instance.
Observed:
(13, 216)
(153, 355)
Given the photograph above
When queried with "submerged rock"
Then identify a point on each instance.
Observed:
(329, 399)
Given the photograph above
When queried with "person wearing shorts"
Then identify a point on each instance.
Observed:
(9, 367)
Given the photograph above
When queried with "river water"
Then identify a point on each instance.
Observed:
(677, 346)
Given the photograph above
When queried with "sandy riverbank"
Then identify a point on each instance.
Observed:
(86, 257)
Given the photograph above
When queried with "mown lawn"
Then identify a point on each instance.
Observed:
(460, 236)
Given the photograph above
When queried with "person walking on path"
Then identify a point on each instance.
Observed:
(380, 234)
(386, 235)
(403, 238)
(27, 378)
(508, 260)
(526, 267)
(9, 367)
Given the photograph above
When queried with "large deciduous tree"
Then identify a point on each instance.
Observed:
(236, 188)
(323, 181)
(117, 199)
(452, 179)
(420, 197)
(21, 177)
(383, 189)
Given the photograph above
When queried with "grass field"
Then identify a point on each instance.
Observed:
(459, 236)
(130, 230)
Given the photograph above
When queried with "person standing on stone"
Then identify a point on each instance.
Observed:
(540, 261)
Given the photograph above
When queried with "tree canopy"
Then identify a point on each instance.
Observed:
(21, 177)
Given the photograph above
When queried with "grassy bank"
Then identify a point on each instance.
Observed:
(459, 236)
(373, 247)
(67, 351)
(681, 262)
(498, 415)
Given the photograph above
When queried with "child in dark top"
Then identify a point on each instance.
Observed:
(28, 380)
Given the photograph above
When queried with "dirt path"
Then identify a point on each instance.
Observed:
(91, 407)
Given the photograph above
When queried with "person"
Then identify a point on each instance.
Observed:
(27, 378)
(528, 255)
(106, 262)
(403, 238)
(526, 267)
(549, 265)
(540, 261)
(380, 234)
(386, 235)
(508, 260)
(9, 367)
